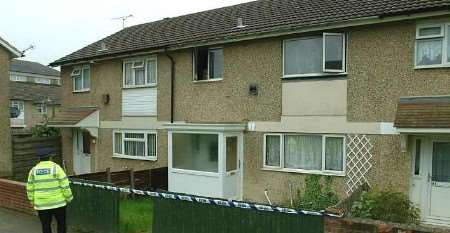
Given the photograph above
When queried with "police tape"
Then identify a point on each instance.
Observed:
(206, 200)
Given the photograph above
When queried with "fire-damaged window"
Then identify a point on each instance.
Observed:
(208, 64)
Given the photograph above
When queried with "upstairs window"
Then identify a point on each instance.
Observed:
(43, 81)
(81, 79)
(55, 82)
(18, 78)
(20, 106)
(208, 64)
(432, 46)
(139, 73)
(314, 56)
(41, 109)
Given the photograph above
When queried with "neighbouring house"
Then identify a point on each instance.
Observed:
(35, 91)
(7, 52)
(255, 97)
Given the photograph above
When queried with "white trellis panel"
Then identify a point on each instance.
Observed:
(359, 162)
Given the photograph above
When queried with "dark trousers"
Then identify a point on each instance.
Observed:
(46, 217)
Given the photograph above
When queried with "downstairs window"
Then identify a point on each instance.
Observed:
(305, 153)
(135, 144)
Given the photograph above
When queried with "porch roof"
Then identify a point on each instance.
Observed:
(70, 117)
(431, 112)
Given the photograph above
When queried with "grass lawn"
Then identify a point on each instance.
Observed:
(136, 215)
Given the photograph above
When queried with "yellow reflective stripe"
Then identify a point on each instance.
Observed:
(50, 204)
(47, 180)
(47, 189)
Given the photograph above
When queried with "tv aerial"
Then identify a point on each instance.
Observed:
(123, 18)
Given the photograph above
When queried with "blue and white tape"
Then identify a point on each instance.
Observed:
(206, 200)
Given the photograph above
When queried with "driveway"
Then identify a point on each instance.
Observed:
(16, 222)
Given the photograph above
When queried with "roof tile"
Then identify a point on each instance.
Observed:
(260, 17)
(423, 112)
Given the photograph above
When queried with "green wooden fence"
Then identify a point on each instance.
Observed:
(172, 216)
(24, 153)
(93, 209)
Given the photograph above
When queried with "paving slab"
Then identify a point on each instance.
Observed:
(16, 222)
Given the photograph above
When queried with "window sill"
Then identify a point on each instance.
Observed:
(140, 86)
(312, 172)
(318, 75)
(208, 80)
(432, 66)
(135, 158)
(82, 91)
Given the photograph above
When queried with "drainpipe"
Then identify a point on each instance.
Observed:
(172, 80)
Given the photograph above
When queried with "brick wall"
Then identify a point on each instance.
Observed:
(354, 225)
(13, 196)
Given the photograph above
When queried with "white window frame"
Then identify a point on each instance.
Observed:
(325, 34)
(145, 60)
(17, 103)
(78, 71)
(145, 132)
(325, 72)
(194, 67)
(323, 171)
(444, 35)
(18, 78)
(42, 108)
(281, 150)
(45, 81)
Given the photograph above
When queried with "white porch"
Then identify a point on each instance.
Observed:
(206, 159)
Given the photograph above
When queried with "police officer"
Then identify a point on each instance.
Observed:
(48, 191)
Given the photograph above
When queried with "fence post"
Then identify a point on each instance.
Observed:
(149, 184)
(108, 175)
(132, 181)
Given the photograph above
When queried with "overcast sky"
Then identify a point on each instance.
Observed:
(59, 27)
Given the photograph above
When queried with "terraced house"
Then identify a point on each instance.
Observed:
(7, 52)
(34, 92)
(254, 97)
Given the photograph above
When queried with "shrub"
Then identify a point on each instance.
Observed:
(318, 194)
(44, 131)
(386, 206)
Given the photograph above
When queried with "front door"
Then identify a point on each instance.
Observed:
(232, 166)
(439, 182)
(81, 151)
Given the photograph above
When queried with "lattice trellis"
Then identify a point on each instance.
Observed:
(359, 161)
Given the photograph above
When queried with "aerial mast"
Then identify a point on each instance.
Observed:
(123, 18)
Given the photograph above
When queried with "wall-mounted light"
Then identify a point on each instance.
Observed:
(253, 89)
(106, 98)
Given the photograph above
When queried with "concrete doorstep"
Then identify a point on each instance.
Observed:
(16, 222)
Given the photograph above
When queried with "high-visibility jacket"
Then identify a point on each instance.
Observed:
(48, 186)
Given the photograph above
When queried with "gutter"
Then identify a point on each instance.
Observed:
(172, 81)
(283, 31)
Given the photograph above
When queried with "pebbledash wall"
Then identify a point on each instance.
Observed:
(380, 70)
(106, 78)
(5, 136)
